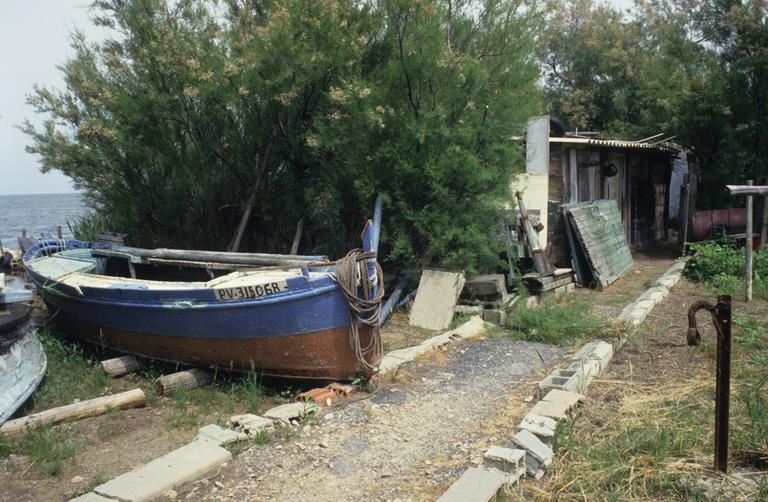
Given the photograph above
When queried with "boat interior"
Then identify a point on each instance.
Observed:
(108, 268)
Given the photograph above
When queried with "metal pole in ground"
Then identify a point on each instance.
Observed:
(723, 384)
(748, 271)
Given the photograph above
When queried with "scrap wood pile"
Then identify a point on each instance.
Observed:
(523, 246)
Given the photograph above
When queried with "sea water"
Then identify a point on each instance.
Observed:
(37, 214)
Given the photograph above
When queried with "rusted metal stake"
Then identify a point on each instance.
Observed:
(721, 315)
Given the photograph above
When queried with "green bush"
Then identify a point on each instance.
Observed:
(721, 267)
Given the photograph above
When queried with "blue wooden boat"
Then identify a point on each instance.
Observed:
(279, 315)
(22, 358)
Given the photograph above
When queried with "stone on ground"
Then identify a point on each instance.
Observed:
(151, 480)
(287, 412)
(475, 485)
(219, 435)
(436, 299)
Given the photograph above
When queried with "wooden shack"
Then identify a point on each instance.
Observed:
(569, 167)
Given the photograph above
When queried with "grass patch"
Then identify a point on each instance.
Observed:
(556, 321)
(71, 373)
(47, 447)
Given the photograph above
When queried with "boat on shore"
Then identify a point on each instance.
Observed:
(22, 358)
(279, 315)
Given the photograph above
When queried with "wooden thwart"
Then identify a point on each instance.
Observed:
(77, 411)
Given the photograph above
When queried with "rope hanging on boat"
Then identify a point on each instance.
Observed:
(363, 292)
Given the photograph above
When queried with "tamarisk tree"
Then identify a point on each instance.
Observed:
(222, 124)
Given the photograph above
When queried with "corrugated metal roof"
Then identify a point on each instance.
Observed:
(613, 143)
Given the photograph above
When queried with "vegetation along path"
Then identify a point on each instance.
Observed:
(408, 441)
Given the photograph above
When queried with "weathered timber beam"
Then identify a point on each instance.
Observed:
(747, 190)
(77, 411)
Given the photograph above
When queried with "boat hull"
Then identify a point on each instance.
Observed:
(22, 359)
(323, 354)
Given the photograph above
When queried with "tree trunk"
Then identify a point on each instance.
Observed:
(235, 244)
(188, 379)
(84, 409)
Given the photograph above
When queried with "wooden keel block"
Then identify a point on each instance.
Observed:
(77, 411)
(188, 379)
(119, 366)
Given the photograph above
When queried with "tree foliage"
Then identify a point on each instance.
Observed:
(696, 69)
(195, 111)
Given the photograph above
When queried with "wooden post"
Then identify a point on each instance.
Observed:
(119, 366)
(188, 379)
(84, 409)
(748, 271)
(764, 230)
(59, 234)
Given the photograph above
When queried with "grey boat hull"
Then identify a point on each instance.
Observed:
(22, 358)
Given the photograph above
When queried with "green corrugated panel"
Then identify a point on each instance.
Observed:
(600, 234)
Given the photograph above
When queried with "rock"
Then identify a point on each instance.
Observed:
(77, 480)
(171, 494)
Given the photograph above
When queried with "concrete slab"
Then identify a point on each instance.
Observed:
(534, 446)
(555, 411)
(470, 329)
(219, 435)
(598, 350)
(570, 399)
(91, 497)
(495, 316)
(149, 481)
(469, 309)
(292, 411)
(438, 293)
(475, 485)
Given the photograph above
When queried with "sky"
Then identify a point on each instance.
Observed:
(34, 39)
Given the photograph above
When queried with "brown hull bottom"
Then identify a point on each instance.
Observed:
(323, 355)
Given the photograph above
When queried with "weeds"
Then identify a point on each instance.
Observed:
(46, 446)
(556, 321)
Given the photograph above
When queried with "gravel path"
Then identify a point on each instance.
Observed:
(408, 441)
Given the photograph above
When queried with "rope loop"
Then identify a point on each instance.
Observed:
(359, 276)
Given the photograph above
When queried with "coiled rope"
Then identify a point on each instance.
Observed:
(363, 292)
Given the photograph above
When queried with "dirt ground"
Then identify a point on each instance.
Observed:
(408, 441)
(650, 263)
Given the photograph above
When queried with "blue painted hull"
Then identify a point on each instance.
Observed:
(301, 331)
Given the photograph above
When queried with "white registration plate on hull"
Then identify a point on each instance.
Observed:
(250, 291)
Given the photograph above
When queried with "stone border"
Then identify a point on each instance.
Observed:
(390, 363)
(560, 393)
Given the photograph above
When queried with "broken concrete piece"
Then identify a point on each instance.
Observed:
(507, 460)
(564, 379)
(533, 467)
(534, 446)
(495, 316)
(436, 299)
(151, 480)
(598, 350)
(469, 309)
(555, 411)
(475, 485)
(543, 427)
(252, 425)
(570, 399)
(219, 435)
(287, 412)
